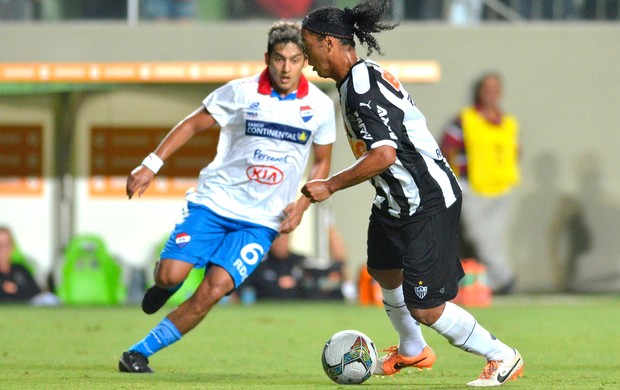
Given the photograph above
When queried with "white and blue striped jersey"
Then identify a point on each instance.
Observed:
(378, 111)
(264, 144)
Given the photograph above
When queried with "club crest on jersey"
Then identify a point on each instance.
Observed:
(421, 291)
(306, 113)
(182, 239)
(265, 174)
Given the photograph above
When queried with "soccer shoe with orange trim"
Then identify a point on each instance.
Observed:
(498, 372)
(393, 362)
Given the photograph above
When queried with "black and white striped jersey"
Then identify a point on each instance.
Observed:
(378, 111)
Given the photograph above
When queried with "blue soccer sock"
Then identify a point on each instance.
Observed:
(164, 334)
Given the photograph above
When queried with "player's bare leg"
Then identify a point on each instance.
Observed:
(169, 276)
(216, 284)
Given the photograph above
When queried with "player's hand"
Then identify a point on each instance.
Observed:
(316, 190)
(139, 180)
(292, 216)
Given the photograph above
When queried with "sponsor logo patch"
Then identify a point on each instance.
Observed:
(358, 147)
(277, 131)
(265, 174)
(182, 239)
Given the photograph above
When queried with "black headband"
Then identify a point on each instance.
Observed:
(334, 30)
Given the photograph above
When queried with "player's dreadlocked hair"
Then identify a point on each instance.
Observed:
(284, 32)
(362, 21)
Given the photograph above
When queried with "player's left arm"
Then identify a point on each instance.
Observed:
(319, 170)
(377, 115)
(372, 163)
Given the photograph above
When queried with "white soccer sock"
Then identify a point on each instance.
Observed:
(463, 331)
(411, 341)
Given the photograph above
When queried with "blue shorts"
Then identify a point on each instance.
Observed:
(204, 238)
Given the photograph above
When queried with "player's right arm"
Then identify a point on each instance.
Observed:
(140, 178)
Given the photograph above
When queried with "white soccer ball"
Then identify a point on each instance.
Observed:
(349, 357)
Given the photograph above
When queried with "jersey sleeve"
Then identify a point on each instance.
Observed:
(374, 114)
(326, 134)
(222, 104)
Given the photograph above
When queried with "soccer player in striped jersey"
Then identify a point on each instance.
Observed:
(413, 228)
(270, 124)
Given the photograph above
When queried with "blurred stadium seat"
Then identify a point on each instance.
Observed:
(90, 274)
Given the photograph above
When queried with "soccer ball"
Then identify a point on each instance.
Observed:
(349, 357)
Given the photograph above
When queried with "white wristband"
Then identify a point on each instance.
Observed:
(153, 162)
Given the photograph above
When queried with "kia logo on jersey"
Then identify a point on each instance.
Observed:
(306, 113)
(265, 174)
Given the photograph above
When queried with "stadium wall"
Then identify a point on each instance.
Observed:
(561, 81)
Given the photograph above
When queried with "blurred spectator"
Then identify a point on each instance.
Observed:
(537, 9)
(286, 9)
(332, 281)
(16, 282)
(481, 145)
(104, 9)
(284, 274)
(423, 9)
(601, 9)
(16, 9)
(170, 9)
(273, 9)
(279, 274)
(463, 12)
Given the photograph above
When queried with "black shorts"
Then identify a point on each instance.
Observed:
(426, 249)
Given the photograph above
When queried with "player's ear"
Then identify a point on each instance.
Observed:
(329, 42)
(266, 58)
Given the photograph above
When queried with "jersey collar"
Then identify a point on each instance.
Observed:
(264, 87)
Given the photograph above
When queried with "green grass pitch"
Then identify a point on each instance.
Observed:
(570, 342)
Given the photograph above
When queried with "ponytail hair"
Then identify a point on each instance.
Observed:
(361, 21)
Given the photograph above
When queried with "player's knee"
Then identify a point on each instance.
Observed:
(426, 316)
(206, 297)
(169, 274)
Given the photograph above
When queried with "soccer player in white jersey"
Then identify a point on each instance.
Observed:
(412, 233)
(247, 195)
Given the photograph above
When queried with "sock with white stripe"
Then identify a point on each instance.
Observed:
(164, 334)
(464, 332)
(411, 341)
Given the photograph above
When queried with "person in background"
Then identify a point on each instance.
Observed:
(170, 9)
(16, 282)
(279, 274)
(270, 125)
(482, 147)
(413, 227)
(285, 274)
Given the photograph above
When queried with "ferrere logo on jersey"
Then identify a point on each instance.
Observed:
(265, 174)
(277, 131)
